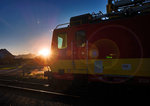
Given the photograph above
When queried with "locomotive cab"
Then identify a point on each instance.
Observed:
(70, 47)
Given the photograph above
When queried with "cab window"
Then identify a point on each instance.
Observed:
(80, 38)
(62, 40)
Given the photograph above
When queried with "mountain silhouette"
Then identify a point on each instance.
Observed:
(4, 53)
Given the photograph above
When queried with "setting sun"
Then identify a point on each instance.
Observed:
(44, 52)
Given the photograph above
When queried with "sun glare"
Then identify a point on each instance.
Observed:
(44, 52)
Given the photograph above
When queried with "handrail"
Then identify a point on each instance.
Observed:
(61, 25)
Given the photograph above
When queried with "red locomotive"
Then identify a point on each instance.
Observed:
(109, 48)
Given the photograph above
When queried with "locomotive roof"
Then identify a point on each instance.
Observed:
(126, 10)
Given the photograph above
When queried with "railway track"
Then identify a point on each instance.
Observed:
(42, 92)
(29, 93)
(21, 82)
(35, 88)
(32, 87)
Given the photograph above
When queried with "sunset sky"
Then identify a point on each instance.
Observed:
(26, 25)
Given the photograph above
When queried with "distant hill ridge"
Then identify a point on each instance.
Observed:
(4, 53)
(26, 56)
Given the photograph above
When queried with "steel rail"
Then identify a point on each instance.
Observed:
(39, 91)
(17, 81)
